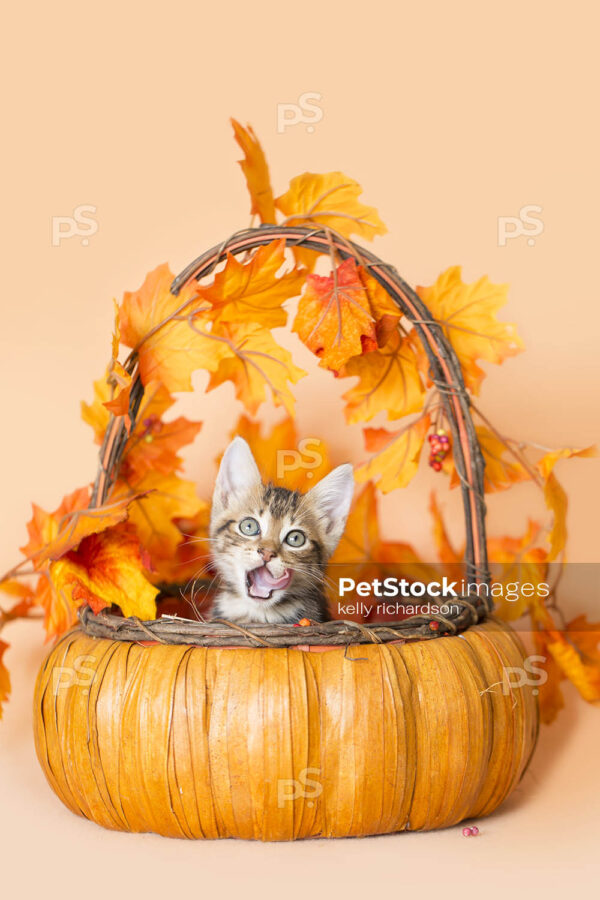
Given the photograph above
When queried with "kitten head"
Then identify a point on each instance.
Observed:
(270, 545)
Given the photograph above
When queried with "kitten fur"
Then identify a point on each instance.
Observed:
(320, 515)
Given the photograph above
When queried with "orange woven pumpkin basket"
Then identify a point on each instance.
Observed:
(272, 732)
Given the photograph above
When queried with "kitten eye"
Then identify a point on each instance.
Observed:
(295, 538)
(249, 526)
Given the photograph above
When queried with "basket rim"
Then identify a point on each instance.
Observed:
(337, 633)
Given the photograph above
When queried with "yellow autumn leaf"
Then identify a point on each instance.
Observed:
(396, 458)
(171, 335)
(389, 381)
(283, 458)
(550, 695)
(252, 292)
(256, 363)
(555, 496)
(584, 675)
(467, 314)
(502, 469)
(329, 200)
(517, 560)
(256, 171)
(168, 497)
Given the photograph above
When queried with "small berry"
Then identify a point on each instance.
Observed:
(474, 829)
(437, 466)
(304, 622)
(467, 832)
(434, 626)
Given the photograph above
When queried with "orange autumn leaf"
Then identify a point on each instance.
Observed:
(389, 381)
(252, 291)
(192, 559)
(155, 402)
(361, 536)
(171, 334)
(330, 200)
(4, 677)
(257, 363)
(256, 171)
(451, 558)
(121, 382)
(282, 457)
(44, 527)
(546, 464)
(166, 498)
(467, 313)
(550, 695)
(106, 569)
(155, 446)
(517, 560)
(396, 455)
(555, 496)
(502, 469)
(334, 319)
(384, 310)
(583, 673)
(71, 526)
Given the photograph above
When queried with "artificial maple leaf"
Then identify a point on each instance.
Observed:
(256, 171)
(68, 527)
(252, 292)
(283, 459)
(156, 401)
(334, 319)
(517, 560)
(106, 569)
(167, 497)
(502, 469)
(451, 558)
(192, 558)
(256, 362)
(45, 527)
(4, 677)
(584, 673)
(120, 380)
(357, 550)
(555, 496)
(396, 455)
(384, 310)
(330, 200)
(154, 446)
(467, 314)
(170, 334)
(389, 381)
(550, 695)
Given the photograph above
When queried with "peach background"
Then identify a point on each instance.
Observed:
(450, 115)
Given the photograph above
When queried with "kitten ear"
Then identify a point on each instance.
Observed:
(331, 499)
(238, 473)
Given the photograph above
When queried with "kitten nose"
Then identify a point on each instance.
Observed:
(267, 555)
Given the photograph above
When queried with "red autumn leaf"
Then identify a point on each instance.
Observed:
(334, 319)
(106, 569)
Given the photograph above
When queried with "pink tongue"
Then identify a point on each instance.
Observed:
(262, 582)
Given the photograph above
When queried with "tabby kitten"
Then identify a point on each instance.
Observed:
(270, 545)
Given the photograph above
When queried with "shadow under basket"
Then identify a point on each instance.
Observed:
(208, 730)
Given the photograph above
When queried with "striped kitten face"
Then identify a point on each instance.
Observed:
(271, 545)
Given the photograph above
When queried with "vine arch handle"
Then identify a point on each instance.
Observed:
(445, 369)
